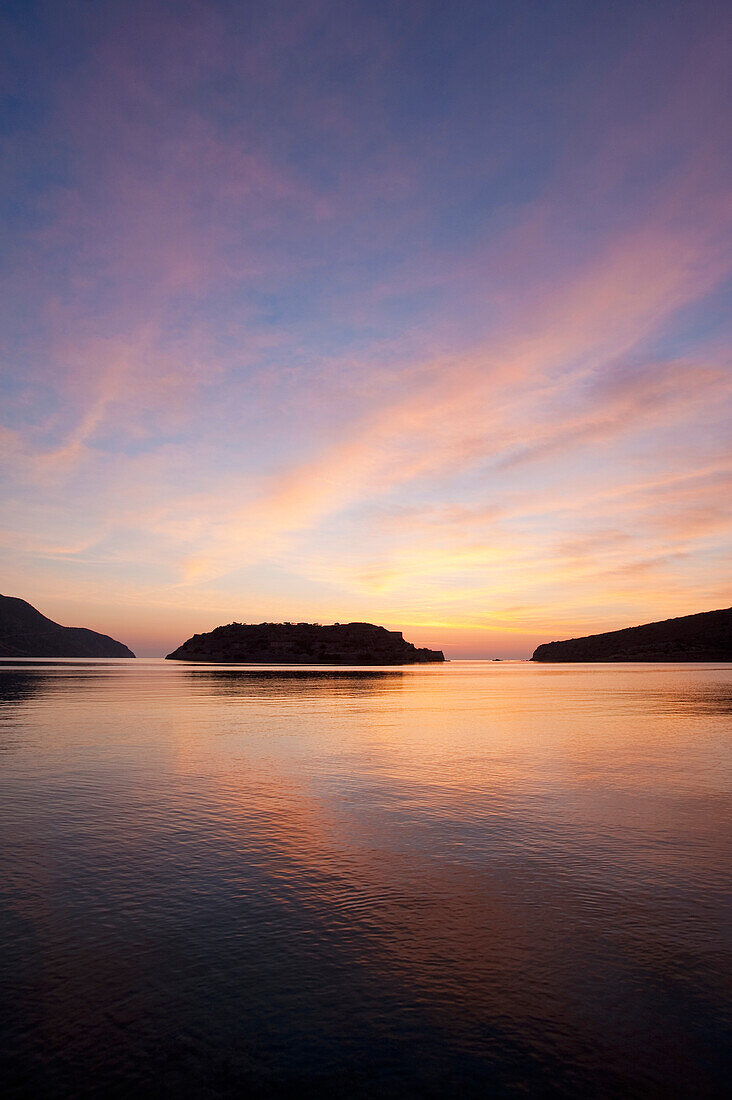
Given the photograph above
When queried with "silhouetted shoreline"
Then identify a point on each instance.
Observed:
(25, 632)
(703, 637)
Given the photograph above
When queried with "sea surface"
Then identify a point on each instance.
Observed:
(476, 879)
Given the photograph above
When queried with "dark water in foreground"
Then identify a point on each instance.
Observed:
(476, 879)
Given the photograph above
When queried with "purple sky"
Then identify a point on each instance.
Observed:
(404, 312)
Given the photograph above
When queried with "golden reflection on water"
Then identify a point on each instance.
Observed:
(492, 876)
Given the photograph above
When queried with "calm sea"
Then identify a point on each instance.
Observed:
(473, 879)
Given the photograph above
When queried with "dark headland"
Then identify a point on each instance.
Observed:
(25, 632)
(305, 644)
(703, 637)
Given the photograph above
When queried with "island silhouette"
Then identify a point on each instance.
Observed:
(304, 643)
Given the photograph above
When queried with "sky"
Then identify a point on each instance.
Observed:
(405, 312)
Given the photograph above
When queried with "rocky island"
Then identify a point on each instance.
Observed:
(304, 644)
(25, 632)
(703, 637)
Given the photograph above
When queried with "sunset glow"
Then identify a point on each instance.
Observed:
(398, 312)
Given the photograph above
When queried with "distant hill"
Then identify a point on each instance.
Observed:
(703, 637)
(305, 644)
(25, 632)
